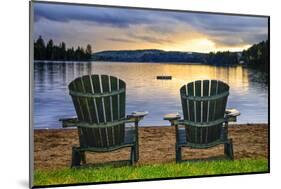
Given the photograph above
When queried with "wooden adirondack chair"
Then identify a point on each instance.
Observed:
(99, 102)
(205, 119)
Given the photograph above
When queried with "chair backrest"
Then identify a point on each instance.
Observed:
(99, 100)
(203, 105)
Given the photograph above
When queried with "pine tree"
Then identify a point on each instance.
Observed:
(39, 49)
(49, 50)
(62, 51)
(88, 52)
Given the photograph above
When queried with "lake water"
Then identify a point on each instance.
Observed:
(248, 92)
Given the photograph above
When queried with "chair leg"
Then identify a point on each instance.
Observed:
(178, 154)
(76, 157)
(228, 149)
(136, 153)
(83, 157)
(133, 155)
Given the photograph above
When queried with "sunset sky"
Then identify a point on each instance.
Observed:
(129, 29)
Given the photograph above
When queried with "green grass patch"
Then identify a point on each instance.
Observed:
(111, 173)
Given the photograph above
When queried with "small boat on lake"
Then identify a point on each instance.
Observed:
(164, 77)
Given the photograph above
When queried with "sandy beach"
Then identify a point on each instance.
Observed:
(157, 145)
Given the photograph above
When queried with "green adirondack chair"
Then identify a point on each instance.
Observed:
(205, 119)
(99, 102)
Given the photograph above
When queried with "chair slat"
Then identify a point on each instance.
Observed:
(110, 136)
(122, 112)
(118, 101)
(102, 99)
(212, 105)
(77, 107)
(96, 116)
(183, 91)
(198, 103)
(221, 103)
(76, 102)
(85, 99)
(90, 103)
(110, 99)
(205, 103)
(100, 137)
(190, 88)
(113, 81)
(81, 101)
(106, 100)
(113, 134)
(99, 104)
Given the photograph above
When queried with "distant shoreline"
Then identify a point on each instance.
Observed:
(132, 62)
(87, 61)
(59, 61)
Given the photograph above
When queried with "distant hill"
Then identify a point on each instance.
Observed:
(150, 55)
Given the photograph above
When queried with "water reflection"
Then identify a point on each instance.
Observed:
(144, 92)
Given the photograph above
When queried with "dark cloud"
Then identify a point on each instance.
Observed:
(150, 39)
(105, 16)
(162, 29)
(120, 40)
(237, 39)
(227, 29)
(222, 29)
(218, 22)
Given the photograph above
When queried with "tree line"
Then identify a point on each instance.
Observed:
(257, 56)
(50, 51)
(222, 58)
(254, 57)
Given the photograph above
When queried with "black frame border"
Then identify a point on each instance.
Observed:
(31, 138)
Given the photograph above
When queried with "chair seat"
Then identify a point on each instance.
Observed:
(183, 142)
(129, 140)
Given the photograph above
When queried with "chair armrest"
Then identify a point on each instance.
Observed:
(137, 116)
(69, 122)
(172, 118)
(231, 114)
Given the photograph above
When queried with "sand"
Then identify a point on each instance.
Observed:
(156, 145)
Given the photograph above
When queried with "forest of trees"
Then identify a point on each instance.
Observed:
(50, 51)
(254, 57)
(257, 56)
(222, 58)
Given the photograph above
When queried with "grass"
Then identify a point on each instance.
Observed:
(110, 173)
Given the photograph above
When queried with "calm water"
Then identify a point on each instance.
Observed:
(248, 93)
